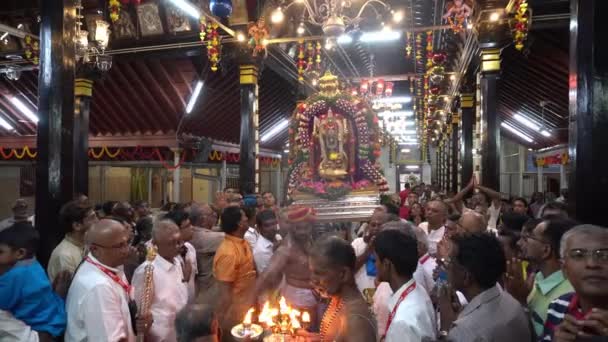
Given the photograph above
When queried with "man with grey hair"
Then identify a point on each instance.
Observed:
(197, 323)
(170, 289)
(436, 214)
(583, 313)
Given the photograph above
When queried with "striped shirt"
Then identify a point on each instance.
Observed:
(564, 305)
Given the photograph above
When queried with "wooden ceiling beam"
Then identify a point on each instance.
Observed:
(152, 140)
(126, 102)
(100, 94)
(160, 69)
(156, 91)
(153, 103)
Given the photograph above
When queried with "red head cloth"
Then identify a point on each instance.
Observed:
(297, 214)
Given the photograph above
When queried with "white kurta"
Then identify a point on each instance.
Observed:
(363, 280)
(414, 318)
(170, 296)
(424, 272)
(191, 259)
(97, 306)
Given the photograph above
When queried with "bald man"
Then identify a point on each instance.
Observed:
(100, 300)
(436, 213)
(472, 222)
(170, 287)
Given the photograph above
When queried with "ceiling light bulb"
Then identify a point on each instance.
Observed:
(301, 29)
(277, 16)
(240, 37)
(398, 16)
(470, 26)
(453, 77)
(494, 16)
(314, 81)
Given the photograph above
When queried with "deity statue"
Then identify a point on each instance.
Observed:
(459, 9)
(331, 133)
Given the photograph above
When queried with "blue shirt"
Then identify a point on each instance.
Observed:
(26, 292)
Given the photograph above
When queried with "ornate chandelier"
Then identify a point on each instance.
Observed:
(336, 16)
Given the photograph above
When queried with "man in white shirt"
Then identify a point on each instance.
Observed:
(436, 214)
(426, 262)
(363, 246)
(187, 254)
(411, 315)
(170, 289)
(263, 250)
(251, 235)
(99, 302)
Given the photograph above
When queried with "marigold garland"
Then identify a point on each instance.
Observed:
(114, 7)
(214, 45)
(301, 62)
(32, 50)
(522, 23)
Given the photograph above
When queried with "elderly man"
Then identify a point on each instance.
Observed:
(583, 313)
(436, 213)
(476, 263)
(206, 242)
(76, 217)
(347, 318)
(364, 249)
(170, 289)
(99, 302)
(291, 261)
(234, 269)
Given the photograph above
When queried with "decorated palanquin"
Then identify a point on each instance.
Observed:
(334, 148)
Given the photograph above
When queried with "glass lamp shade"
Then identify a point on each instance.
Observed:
(102, 33)
(82, 42)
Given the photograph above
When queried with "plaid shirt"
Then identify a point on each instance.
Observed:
(565, 305)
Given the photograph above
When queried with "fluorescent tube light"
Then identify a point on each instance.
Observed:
(274, 130)
(412, 167)
(4, 35)
(545, 133)
(405, 150)
(380, 36)
(195, 93)
(517, 132)
(344, 39)
(187, 7)
(397, 99)
(6, 125)
(527, 122)
(24, 109)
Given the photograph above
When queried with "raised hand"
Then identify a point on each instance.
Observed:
(514, 281)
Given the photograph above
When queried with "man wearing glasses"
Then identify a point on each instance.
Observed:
(100, 302)
(541, 248)
(582, 314)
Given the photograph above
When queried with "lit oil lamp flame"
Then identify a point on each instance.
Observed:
(305, 317)
(247, 320)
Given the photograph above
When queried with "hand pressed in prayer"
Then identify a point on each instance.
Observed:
(514, 281)
(568, 330)
(448, 306)
(220, 200)
(61, 284)
(595, 323)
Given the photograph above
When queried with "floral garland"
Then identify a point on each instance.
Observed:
(14, 153)
(32, 50)
(419, 62)
(114, 7)
(301, 62)
(366, 130)
(456, 23)
(522, 23)
(214, 45)
(408, 45)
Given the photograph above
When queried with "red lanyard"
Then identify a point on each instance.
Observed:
(401, 298)
(424, 259)
(574, 310)
(112, 275)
